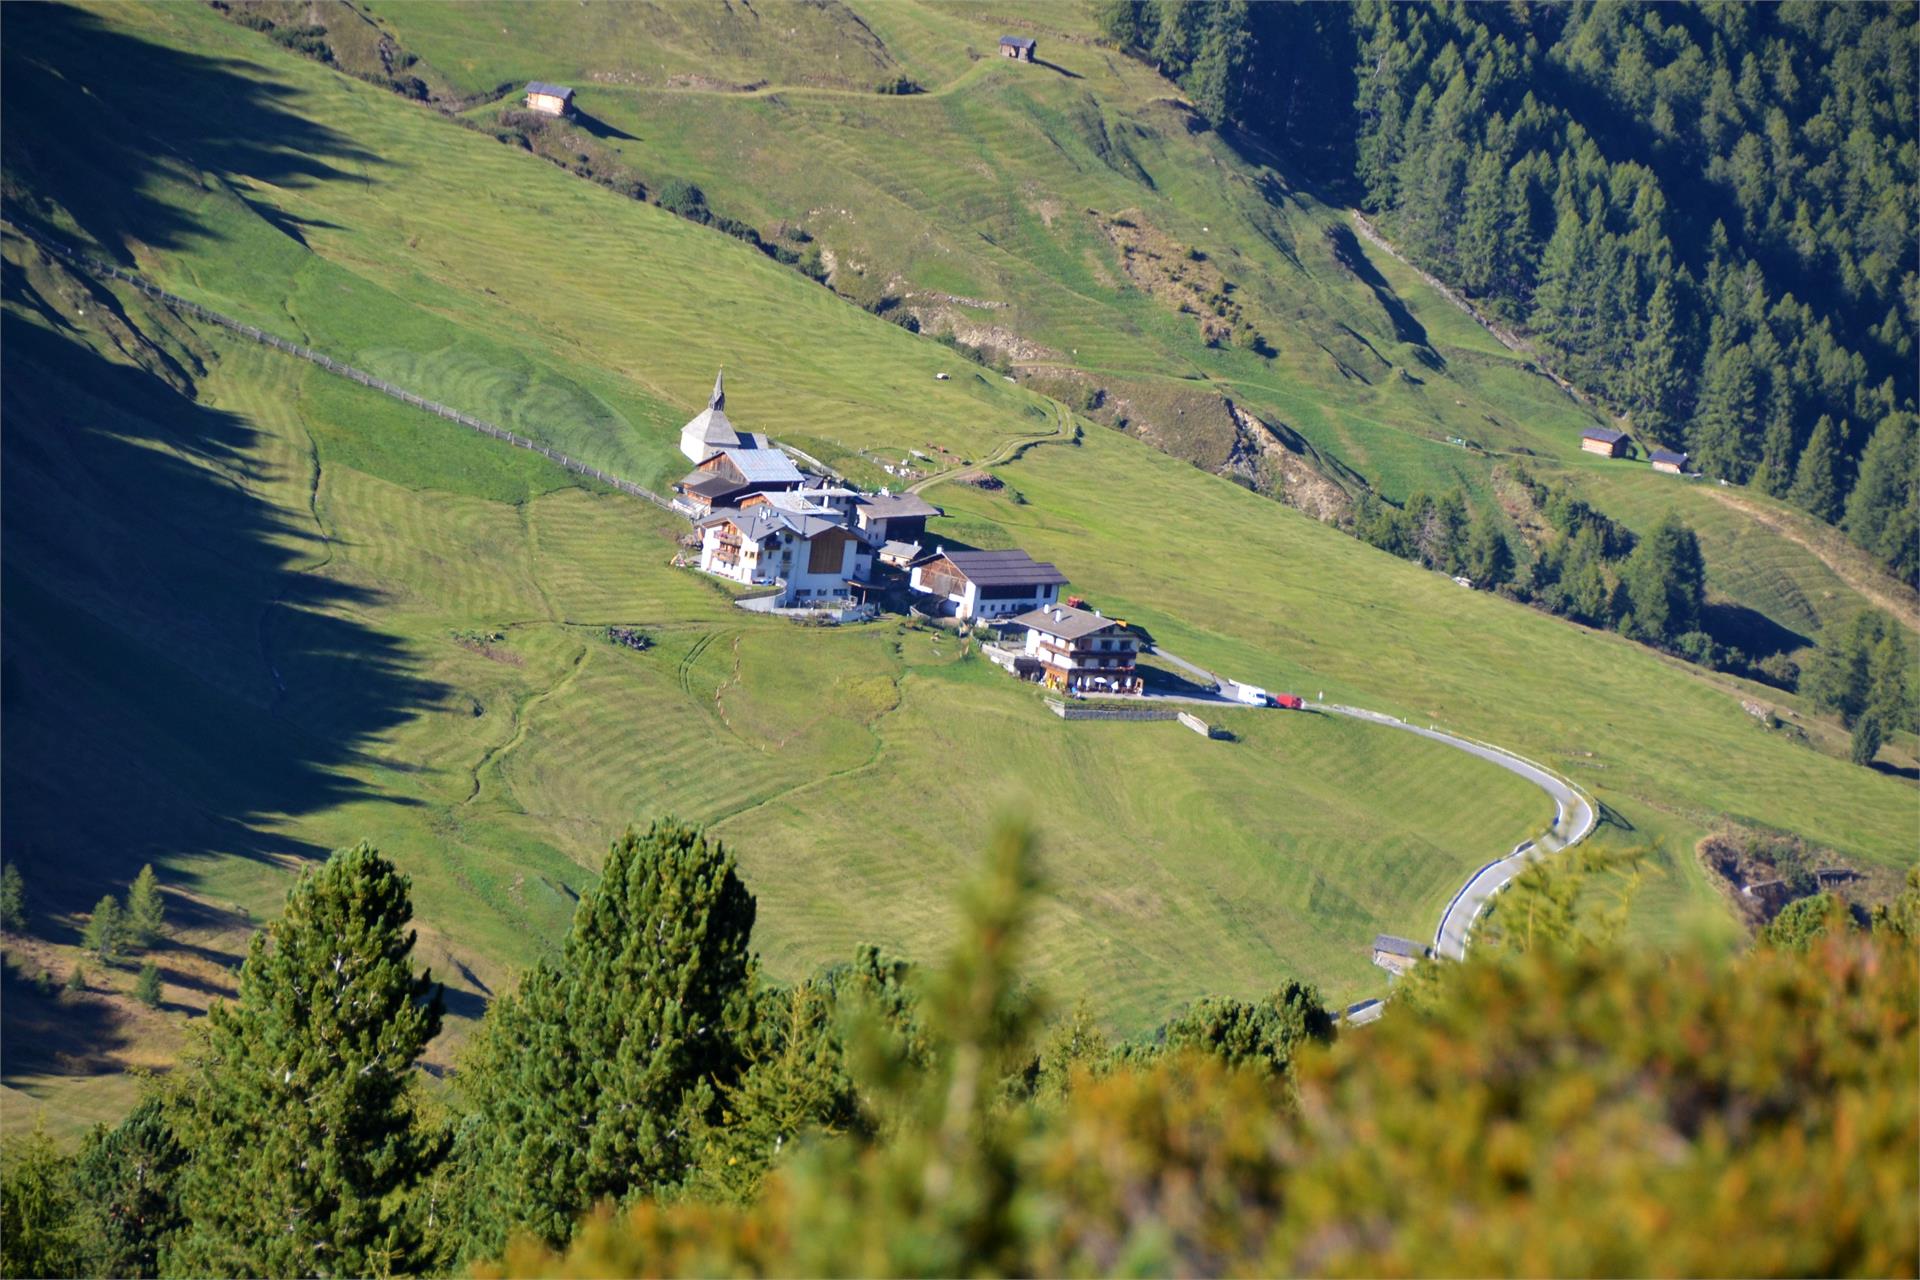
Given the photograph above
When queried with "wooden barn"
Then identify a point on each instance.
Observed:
(1019, 48)
(1605, 442)
(1668, 461)
(549, 99)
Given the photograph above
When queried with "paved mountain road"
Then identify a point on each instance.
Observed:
(1573, 819)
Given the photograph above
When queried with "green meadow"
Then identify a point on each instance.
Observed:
(255, 612)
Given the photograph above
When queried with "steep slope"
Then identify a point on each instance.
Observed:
(264, 598)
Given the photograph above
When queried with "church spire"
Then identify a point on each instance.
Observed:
(719, 400)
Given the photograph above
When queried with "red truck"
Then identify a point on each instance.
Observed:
(1289, 701)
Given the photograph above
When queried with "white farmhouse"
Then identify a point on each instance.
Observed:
(986, 584)
(1079, 651)
(780, 540)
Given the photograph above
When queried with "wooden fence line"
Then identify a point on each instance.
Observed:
(331, 365)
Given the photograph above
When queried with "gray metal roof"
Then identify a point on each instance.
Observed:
(758, 523)
(541, 86)
(897, 506)
(1018, 42)
(1667, 455)
(763, 466)
(1399, 947)
(1004, 569)
(1064, 621)
(1603, 434)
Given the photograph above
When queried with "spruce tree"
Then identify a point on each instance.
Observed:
(1883, 511)
(592, 1080)
(300, 1117)
(146, 914)
(146, 987)
(1489, 557)
(1816, 482)
(13, 899)
(1658, 378)
(106, 931)
(1666, 581)
(1729, 405)
(1774, 474)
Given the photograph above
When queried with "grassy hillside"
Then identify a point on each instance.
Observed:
(251, 608)
(985, 207)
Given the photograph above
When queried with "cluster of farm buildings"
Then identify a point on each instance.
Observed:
(1609, 443)
(821, 544)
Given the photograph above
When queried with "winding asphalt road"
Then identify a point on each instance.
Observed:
(1573, 821)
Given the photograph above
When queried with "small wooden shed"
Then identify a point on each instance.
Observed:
(1397, 955)
(1601, 440)
(549, 99)
(1668, 461)
(1019, 48)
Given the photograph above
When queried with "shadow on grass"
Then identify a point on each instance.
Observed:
(56, 1034)
(94, 115)
(1347, 250)
(1750, 631)
(601, 129)
(1908, 772)
(176, 685)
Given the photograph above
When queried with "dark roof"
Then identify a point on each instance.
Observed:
(710, 485)
(558, 91)
(1667, 455)
(1603, 435)
(1399, 947)
(1018, 42)
(1004, 569)
(1064, 621)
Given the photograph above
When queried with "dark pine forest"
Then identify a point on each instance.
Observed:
(1703, 215)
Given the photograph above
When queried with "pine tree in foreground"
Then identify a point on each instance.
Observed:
(127, 1184)
(592, 1080)
(299, 1117)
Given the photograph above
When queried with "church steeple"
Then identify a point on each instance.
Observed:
(719, 400)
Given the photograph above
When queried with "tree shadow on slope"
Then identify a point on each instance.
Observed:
(176, 686)
(96, 119)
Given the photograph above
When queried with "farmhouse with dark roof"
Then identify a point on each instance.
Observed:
(986, 584)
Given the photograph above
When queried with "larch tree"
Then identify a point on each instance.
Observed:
(146, 912)
(593, 1079)
(300, 1115)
